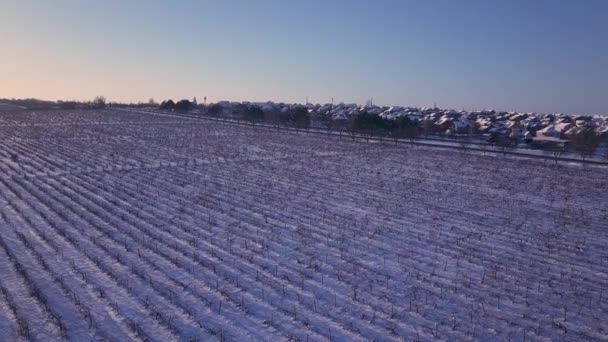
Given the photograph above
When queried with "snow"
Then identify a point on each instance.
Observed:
(130, 226)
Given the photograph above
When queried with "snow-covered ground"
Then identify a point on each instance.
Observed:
(9, 107)
(131, 226)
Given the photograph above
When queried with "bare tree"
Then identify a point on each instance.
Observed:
(465, 139)
(585, 142)
(98, 103)
(505, 144)
(556, 148)
(484, 145)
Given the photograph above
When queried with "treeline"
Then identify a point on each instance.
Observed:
(300, 116)
(29, 103)
(181, 106)
(35, 104)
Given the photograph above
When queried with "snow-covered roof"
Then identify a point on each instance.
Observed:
(462, 123)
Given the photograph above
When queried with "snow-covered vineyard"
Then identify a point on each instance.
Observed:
(132, 226)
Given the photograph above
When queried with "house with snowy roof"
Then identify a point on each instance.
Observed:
(462, 126)
(555, 130)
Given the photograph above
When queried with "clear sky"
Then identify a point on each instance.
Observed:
(526, 55)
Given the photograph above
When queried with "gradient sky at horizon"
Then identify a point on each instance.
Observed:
(525, 55)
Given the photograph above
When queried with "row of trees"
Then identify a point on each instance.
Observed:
(584, 143)
(298, 116)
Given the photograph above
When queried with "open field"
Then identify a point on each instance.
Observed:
(133, 226)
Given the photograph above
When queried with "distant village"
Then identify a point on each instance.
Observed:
(533, 128)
